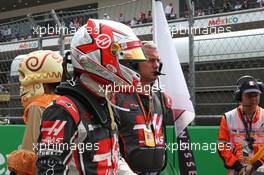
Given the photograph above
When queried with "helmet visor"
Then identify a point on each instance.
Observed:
(135, 54)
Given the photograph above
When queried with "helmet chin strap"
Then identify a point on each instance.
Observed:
(115, 106)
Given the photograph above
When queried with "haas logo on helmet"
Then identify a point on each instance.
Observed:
(103, 41)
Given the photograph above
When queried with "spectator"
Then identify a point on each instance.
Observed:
(168, 11)
(7, 31)
(245, 4)
(76, 23)
(18, 36)
(212, 8)
(149, 17)
(186, 13)
(80, 20)
(262, 3)
(63, 23)
(3, 89)
(227, 6)
(200, 12)
(106, 16)
(143, 18)
(121, 18)
(86, 18)
(71, 24)
(134, 21)
(238, 5)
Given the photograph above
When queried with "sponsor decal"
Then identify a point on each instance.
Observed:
(53, 131)
(28, 45)
(223, 21)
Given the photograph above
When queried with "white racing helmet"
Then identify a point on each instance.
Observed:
(97, 50)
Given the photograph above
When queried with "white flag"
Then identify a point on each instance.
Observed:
(174, 81)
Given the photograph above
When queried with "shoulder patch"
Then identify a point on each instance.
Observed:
(70, 107)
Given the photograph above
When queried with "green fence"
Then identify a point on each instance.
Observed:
(203, 141)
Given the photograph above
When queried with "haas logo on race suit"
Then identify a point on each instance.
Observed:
(156, 122)
(157, 126)
(53, 131)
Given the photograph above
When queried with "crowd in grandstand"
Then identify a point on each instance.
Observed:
(13, 33)
(226, 6)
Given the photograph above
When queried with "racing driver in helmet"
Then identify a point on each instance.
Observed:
(78, 131)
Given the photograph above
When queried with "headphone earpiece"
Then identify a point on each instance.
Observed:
(239, 82)
(237, 95)
(261, 87)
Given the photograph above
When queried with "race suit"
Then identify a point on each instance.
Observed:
(142, 157)
(76, 135)
(234, 147)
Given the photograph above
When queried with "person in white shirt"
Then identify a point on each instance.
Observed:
(168, 11)
(133, 21)
(121, 18)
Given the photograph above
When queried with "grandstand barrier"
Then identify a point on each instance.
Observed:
(218, 46)
(203, 144)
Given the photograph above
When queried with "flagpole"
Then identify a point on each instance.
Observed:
(190, 5)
